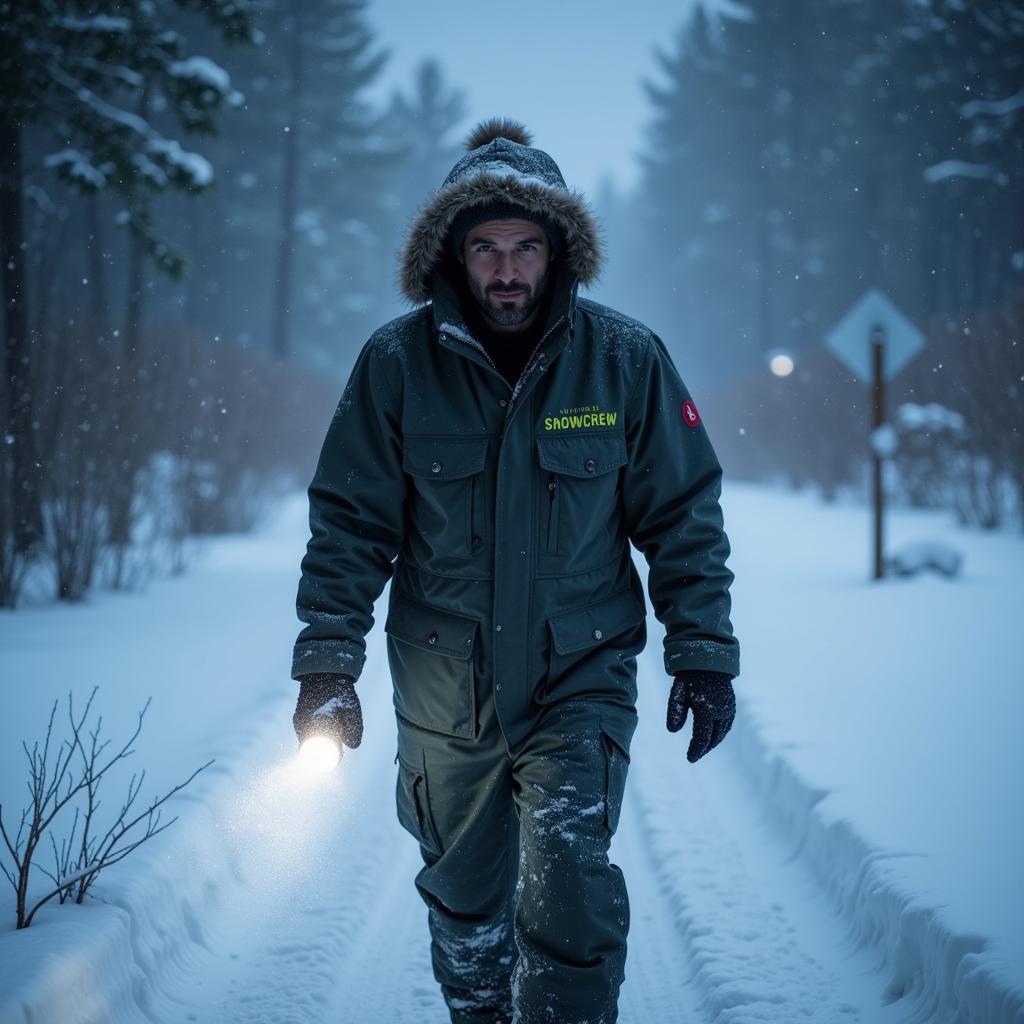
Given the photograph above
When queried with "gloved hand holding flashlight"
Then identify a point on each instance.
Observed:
(328, 716)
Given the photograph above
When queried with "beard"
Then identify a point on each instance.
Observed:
(504, 312)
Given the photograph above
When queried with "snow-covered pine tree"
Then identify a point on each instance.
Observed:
(968, 94)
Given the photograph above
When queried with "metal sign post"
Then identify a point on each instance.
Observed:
(875, 340)
(877, 419)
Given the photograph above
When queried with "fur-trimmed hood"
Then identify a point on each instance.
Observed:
(500, 166)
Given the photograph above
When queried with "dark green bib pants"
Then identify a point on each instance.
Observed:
(504, 517)
(514, 837)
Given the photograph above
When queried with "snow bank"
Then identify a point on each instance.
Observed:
(950, 976)
(880, 723)
(878, 729)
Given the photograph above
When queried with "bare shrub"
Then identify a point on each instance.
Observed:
(976, 366)
(14, 561)
(69, 775)
(201, 438)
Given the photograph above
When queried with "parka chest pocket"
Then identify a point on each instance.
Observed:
(579, 491)
(430, 654)
(448, 496)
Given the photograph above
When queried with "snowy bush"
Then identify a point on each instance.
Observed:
(931, 439)
(975, 365)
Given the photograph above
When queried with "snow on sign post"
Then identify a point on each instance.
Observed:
(875, 340)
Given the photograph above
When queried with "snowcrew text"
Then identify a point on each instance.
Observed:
(580, 416)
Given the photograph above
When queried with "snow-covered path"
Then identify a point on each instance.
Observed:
(276, 901)
(324, 923)
(728, 925)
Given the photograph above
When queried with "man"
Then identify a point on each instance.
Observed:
(503, 444)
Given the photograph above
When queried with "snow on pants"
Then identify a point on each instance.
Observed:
(528, 919)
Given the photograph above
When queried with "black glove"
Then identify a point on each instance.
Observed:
(713, 700)
(328, 706)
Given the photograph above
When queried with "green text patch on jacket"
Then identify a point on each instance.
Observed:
(590, 416)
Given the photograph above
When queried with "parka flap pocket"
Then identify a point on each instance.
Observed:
(431, 629)
(582, 455)
(444, 458)
(581, 628)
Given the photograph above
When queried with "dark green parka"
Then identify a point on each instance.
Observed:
(506, 514)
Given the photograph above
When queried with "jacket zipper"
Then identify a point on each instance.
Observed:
(474, 500)
(527, 370)
(470, 340)
(553, 489)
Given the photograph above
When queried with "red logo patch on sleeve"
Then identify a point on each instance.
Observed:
(690, 415)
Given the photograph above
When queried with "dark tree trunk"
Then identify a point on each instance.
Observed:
(16, 420)
(134, 307)
(97, 274)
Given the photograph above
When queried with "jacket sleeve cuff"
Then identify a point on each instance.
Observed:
(327, 656)
(712, 655)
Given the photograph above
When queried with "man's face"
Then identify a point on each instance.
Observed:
(507, 270)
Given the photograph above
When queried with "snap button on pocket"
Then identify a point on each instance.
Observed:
(432, 639)
(590, 465)
(435, 467)
(597, 634)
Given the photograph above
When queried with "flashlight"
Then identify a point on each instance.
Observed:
(319, 755)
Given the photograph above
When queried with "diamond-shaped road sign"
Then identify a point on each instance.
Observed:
(850, 339)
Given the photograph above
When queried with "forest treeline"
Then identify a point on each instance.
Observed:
(200, 209)
(801, 152)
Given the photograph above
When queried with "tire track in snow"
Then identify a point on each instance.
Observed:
(658, 972)
(387, 974)
(280, 940)
(728, 924)
(756, 932)
(325, 923)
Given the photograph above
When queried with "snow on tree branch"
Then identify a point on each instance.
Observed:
(961, 169)
(994, 108)
(203, 71)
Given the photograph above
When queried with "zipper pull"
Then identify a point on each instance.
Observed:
(552, 538)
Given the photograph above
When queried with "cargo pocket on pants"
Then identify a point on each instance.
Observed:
(615, 738)
(413, 802)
